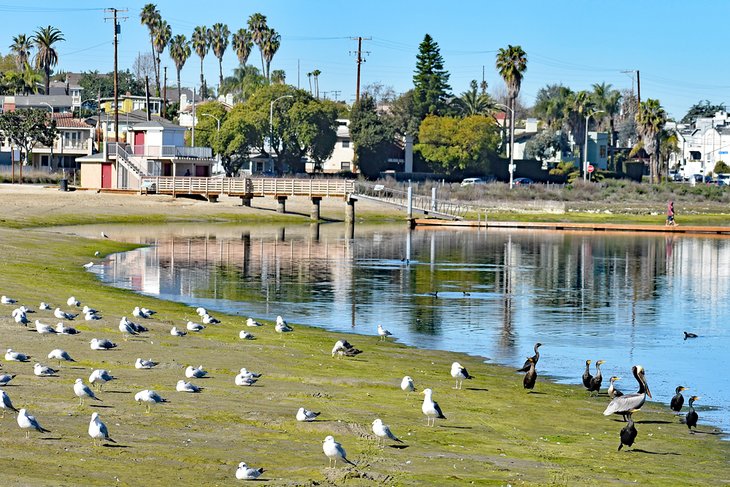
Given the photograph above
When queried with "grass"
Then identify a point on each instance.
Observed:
(495, 434)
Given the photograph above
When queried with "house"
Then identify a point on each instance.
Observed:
(69, 87)
(343, 154)
(55, 103)
(702, 144)
(129, 103)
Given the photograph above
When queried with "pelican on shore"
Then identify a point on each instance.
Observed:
(612, 390)
(692, 416)
(535, 358)
(459, 373)
(630, 402)
(531, 376)
(628, 433)
(597, 380)
(678, 400)
(587, 377)
(431, 408)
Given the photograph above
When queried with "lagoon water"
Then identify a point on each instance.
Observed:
(624, 298)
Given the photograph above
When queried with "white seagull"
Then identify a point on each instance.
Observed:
(13, 356)
(149, 397)
(138, 313)
(6, 378)
(87, 309)
(177, 333)
(201, 311)
(88, 265)
(183, 386)
(334, 451)
(244, 335)
(431, 408)
(382, 431)
(97, 253)
(91, 316)
(246, 373)
(244, 380)
(459, 373)
(83, 391)
(72, 301)
(66, 330)
(26, 421)
(20, 317)
(252, 322)
(44, 306)
(44, 329)
(383, 332)
(126, 328)
(144, 364)
(209, 320)
(7, 300)
(192, 326)
(195, 372)
(282, 326)
(6, 403)
(98, 430)
(407, 384)
(244, 472)
(100, 377)
(58, 354)
(102, 344)
(306, 415)
(44, 371)
(62, 315)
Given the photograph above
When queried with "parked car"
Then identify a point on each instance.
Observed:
(523, 182)
(473, 181)
(675, 176)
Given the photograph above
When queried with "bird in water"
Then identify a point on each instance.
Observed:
(612, 390)
(535, 359)
(597, 380)
(531, 376)
(692, 416)
(678, 400)
(630, 402)
(587, 377)
(459, 373)
(628, 433)
(689, 335)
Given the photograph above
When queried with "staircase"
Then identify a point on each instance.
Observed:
(133, 165)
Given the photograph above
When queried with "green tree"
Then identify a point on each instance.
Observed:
(161, 37)
(46, 56)
(545, 144)
(650, 120)
(458, 144)
(721, 167)
(207, 126)
(551, 104)
(219, 43)
(201, 45)
(150, 17)
(25, 128)
(244, 82)
(179, 52)
(258, 28)
(511, 64)
(402, 116)
(315, 75)
(430, 80)
(94, 82)
(270, 45)
(578, 106)
(472, 102)
(236, 140)
(371, 136)
(702, 109)
(242, 44)
(609, 101)
(278, 76)
(315, 126)
(20, 48)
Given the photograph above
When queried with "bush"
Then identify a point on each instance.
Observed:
(31, 176)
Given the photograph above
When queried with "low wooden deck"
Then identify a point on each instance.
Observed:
(595, 227)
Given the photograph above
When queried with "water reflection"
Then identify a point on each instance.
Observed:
(624, 298)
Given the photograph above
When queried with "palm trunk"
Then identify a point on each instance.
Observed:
(157, 76)
(179, 93)
(155, 66)
(203, 91)
(263, 69)
(220, 72)
(268, 71)
(47, 69)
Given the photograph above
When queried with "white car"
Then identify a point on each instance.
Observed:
(472, 181)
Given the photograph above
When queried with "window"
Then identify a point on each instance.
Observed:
(45, 160)
(603, 151)
(345, 166)
(345, 144)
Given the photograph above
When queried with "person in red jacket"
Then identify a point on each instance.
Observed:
(670, 214)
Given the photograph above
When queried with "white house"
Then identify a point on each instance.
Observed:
(343, 154)
(702, 144)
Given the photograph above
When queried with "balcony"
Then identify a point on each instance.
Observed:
(164, 151)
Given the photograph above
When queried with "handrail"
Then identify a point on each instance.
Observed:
(248, 186)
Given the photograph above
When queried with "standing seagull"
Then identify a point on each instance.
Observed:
(60, 355)
(244, 472)
(26, 422)
(383, 332)
(6, 403)
(459, 373)
(692, 416)
(613, 392)
(535, 358)
(407, 385)
(82, 390)
(100, 377)
(98, 430)
(383, 431)
(306, 415)
(334, 451)
(628, 433)
(678, 399)
(149, 397)
(282, 326)
(431, 408)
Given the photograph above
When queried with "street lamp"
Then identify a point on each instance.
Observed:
(511, 144)
(218, 156)
(585, 149)
(271, 124)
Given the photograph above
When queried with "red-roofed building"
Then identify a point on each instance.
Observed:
(75, 139)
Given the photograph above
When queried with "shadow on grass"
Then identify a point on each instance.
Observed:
(117, 392)
(104, 406)
(647, 421)
(718, 433)
(538, 392)
(456, 427)
(398, 447)
(115, 445)
(639, 450)
(476, 389)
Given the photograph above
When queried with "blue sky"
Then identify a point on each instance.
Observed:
(679, 53)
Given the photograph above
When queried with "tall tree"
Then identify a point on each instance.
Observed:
(257, 26)
(278, 76)
(701, 109)
(578, 106)
(309, 77)
(46, 56)
(472, 102)
(650, 120)
(430, 80)
(371, 137)
(179, 52)
(162, 34)
(201, 44)
(20, 48)
(551, 103)
(27, 127)
(149, 16)
(244, 82)
(511, 64)
(608, 100)
(315, 75)
(270, 45)
(219, 43)
(242, 44)
(144, 67)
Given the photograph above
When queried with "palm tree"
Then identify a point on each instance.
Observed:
(201, 44)
(609, 101)
(512, 63)
(271, 44)
(257, 26)
(21, 47)
(242, 44)
(161, 37)
(309, 77)
(650, 120)
(551, 104)
(179, 52)
(46, 55)
(315, 75)
(278, 76)
(244, 82)
(151, 17)
(578, 105)
(219, 43)
(472, 102)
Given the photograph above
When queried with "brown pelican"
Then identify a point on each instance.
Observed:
(678, 400)
(692, 417)
(531, 376)
(630, 402)
(535, 359)
(596, 380)
(612, 391)
(628, 434)
(587, 377)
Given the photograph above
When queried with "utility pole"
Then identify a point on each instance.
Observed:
(638, 87)
(359, 61)
(164, 96)
(335, 94)
(117, 30)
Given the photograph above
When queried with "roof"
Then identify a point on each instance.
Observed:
(159, 123)
(38, 100)
(66, 120)
(138, 118)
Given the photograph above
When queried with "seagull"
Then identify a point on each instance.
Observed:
(86, 310)
(147, 311)
(104, 235)
(88, 265)
(6, 378)
(101, 377)
(12, 356)
(97, 253)
(82, 391)
(192, 326)
(6, 403)
(247, 373)
(183, 386)
(343, 347)
(201, 311)
(72, 301)
(44, 329)
(60, 355)
(407, 384)
(149, 397)
(431, 408)
(244, 335)
(138, 313)
(62, 315)
(102, 344)
(144, 364)
(98, 430)
(44, 371)
(7, 300)
(91, 316)
(44, 306)
(282, 326)
(193, 372)
(383, 332)
(244, 380)
(20, 317)
(26, 421)
(126, 328)
(459, 373)
(26, 309)
(209, 320)
(177, 333)
(306, 415)
(66, 330)
(244, 472)
(252, 322)
(383, 431)
(334, 451)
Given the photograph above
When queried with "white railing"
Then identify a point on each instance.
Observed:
(169, 151)
(248, 186)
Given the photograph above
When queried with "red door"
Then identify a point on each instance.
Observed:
(139, 143)
(106, 175)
